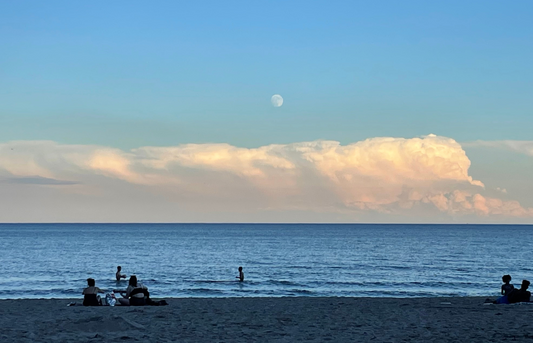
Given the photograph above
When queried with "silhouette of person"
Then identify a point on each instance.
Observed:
(507, 288)
(241, 275)
(520, 295)
(90, 294)
(135, 294)
(119, 275)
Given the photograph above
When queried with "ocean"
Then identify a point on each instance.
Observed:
(201, 260)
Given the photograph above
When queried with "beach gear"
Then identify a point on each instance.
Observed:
(110, 299)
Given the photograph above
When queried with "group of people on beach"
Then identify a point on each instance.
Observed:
(136, 294)
(511, 295)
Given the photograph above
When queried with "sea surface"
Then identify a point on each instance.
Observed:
(201, 260)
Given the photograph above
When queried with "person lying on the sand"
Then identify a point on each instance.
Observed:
(90, 294)
(119, 275)
(520, 295)
(135, 294)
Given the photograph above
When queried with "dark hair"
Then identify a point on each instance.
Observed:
(525, 284)
(90, 282)
(133, 280)
(240, 268)
(506, 278)
(119, 267)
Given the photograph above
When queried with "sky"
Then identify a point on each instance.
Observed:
(393, 111)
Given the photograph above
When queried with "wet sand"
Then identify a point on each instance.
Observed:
(269, 320)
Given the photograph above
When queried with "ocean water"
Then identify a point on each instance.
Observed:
(201, 260)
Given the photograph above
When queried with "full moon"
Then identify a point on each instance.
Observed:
(276, 100)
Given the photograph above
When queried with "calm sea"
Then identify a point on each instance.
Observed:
(201, 260)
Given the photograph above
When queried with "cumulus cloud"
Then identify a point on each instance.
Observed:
(390, 175)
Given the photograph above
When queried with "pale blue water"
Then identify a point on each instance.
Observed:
(201, 260)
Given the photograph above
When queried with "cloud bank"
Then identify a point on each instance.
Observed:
(522, 147)
(382, 175)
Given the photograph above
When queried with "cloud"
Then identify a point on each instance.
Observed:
(461, 202)
(37, 180)
(379, 175)
(523, 147)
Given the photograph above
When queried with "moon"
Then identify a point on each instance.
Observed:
(276, 100)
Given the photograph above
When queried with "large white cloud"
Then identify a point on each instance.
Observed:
(391, 175)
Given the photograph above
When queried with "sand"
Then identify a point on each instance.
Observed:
(269, 320)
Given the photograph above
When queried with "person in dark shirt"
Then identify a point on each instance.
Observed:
(520, 295)
(90, 294)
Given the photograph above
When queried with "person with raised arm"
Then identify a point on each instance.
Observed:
(119, 275)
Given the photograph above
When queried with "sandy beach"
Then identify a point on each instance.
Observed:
(269, 320)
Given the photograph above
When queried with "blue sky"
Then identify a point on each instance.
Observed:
(127, 74)
(131, 73)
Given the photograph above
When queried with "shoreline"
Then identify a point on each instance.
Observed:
(263, 319)
(80, 298)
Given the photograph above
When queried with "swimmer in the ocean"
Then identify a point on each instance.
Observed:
(241, 275)
(119, 275)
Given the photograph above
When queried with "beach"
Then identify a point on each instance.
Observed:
(285, 319)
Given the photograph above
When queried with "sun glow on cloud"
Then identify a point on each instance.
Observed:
(387, 175)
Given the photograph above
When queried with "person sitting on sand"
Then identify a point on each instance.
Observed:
(507, 287)
(135, 294)
(241, 275)
(90, 294)
(520, 295)
(119, 275)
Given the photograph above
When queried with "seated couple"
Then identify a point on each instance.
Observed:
(510, 295)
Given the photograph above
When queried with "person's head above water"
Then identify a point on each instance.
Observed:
(119, 268)
(240, 269)
(133, 280)
(90, 282)
(506, 278)
(525, 285)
